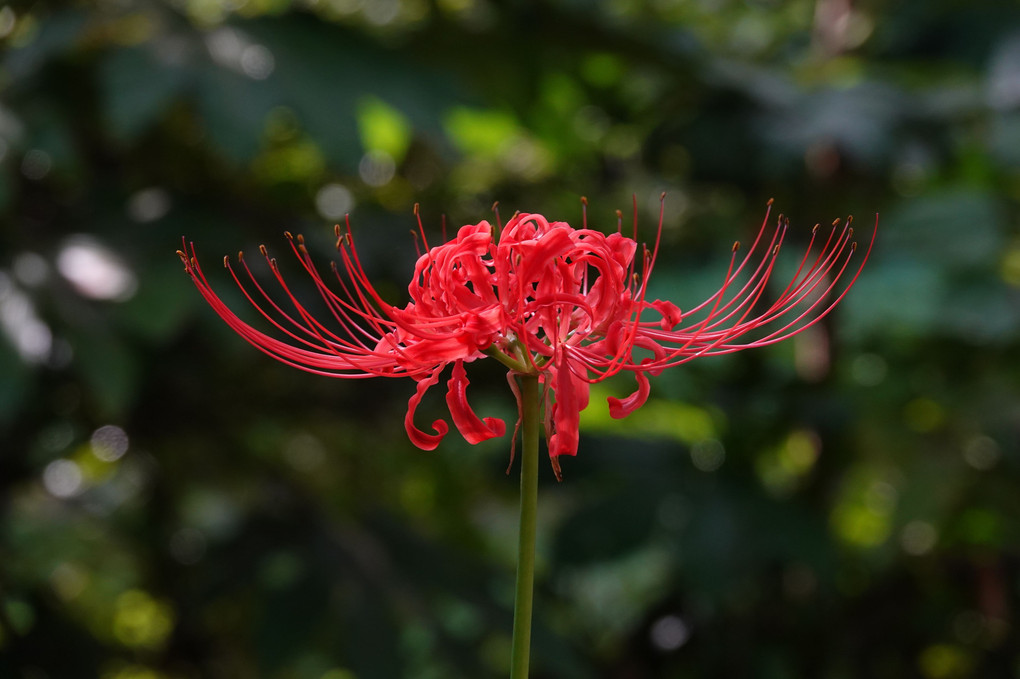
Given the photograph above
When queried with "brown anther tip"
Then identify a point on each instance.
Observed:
(300, 238)
(771, 200)
(850, 233)
(302, 249)
(339, 242)
(272, 262)
(815, 230)
(226, 261)
(619, 214)
(736, 245)
(180, 253)
(240, 255)
(263, 250)
(416, 208)
(662, 196)
(584, 200)
(853, 247)
(336, 230)
(775, 250)
(849, 220)
(288, 235)
(835, 222)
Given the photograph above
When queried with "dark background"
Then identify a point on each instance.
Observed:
(173, 504)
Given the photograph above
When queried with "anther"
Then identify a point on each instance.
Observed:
(336, 230)
(775, 250)
(815, 230)
(619, 214)
(263, 250)
(415, 210)
(584, 201)
(736, 245)
(272, 263)
(769, 204)
(835, 222)
(300, 238)
(849, 220)
(662, 196)
(240, 255)
(184, 257)
(850, 233)
(288, 235)
(226, 261)
(853, 247)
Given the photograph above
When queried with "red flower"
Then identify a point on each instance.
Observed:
(543, 298)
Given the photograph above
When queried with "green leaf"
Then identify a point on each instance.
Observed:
(137, 86)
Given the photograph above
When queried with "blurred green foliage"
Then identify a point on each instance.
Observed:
(175, 505)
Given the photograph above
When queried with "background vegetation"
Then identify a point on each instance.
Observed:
(174, 505)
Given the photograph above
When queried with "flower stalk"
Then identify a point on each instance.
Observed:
(524, 594)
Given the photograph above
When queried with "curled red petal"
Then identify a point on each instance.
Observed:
(470, 426)
(571, 399)
(671, 315)
(418, 437)
(619, 408)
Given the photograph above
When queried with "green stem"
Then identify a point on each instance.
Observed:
(523, 599)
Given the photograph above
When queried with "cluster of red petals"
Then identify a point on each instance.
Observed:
(568, 305)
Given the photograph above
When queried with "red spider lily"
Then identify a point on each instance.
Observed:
(568, 305)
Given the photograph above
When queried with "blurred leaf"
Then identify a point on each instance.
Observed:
(15, 385)
(322, 71)
(162, 302)
(234, 109)
(383, 128)
(949, 229)
(877, 304)
(56, 33)
(138, 85)
(481, 132)
(108, 367)
(607, 527)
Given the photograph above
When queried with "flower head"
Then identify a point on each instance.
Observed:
(543, 298)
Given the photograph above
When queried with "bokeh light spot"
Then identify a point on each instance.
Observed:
(333, 201)
(109, 443)
(981, 452)
(708, 455)
(148, 205)
(63, 478)
(669, 633)
(139, 620)
(918, 537)
(95, 271)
